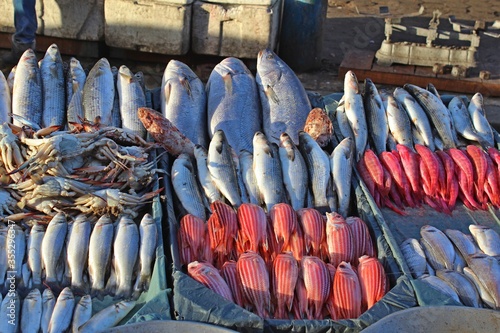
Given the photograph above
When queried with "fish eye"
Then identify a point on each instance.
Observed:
(269, 56)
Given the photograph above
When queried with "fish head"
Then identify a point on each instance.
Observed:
(176, 69)
(269, 68)
(53, 54)
(351, 83)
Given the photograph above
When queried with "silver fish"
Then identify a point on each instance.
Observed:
(439, 244)
(248, 175)
(418, 138)
(343, 122)
(100, 245)
(9, 322)
(52, 246)
(355, 113)
(437, 113)
(433, 90)
(206, 182)
(414, 256)
(478, 117)
(464, 244)
(318, 166)
(341, 163)
(131, 97)
(3, 252)
(487, 269)
(465, 289)
(16, 234)
(63, 312)
(31, 312)
(99, 93)
(442, 286)
(462, 121)
(48, 304)
(77, 251)
(294, 171)
(54, 102)
(75, 79)
(27, 95)
(186, 187)
(108, 317)
(399, 123)
(484, 294)
(233, 103)
(183, 101)
(35, 253)
(82, 314)
(376, 117)
(125, 254)
(222, 169)
(487, 239)
(267, 169)
(147, 252)
(239, 175)
(416, 115)
(75, 113)
(285, 105)
(5, 100)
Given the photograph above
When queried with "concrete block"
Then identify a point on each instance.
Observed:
(148, 26)
(7, 16)
(238, 30)
(82, 20)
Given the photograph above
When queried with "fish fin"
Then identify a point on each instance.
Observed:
(272, 95)
(228, 83)
(185, 83)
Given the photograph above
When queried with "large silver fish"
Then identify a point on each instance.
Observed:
(487, 269)
(478, 117)
(462, 121)
(183, 101)
(484, 294)
(285, 105)
(186, 187)
(77, 251)
(131, 97)
(75, 79)
(52, 246)
(375, 116)
(414, 256)
(399, 123)
(48, 304)
(108, 317)
(31, 313)
(54, 102)
(206, 182)
(341, 162)
(343, 122)
(222, 168)
(100, 246)
(27, 94)
(99, 93)
(487, 239)
(63, 312)
(5, 100)
(233, 104)
(355, 112)
(441, 247)
(75, 112)
(125, 254)
(465, 289)
(35, 253)
(442, 286)
(248, 176)
(9, 323)
(82, 313)
(294, 171)
(148, 232)
(267, 169)
(436, 111)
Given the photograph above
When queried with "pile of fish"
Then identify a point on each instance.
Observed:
(464, 267)
(45, 313)
(286, 264)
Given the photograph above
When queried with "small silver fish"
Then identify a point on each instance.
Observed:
(52, 246)
(31, 313)
(48, 304)
(107, 317)
(341, 163)
(294, 171)
(9, 322)
(414, 256)
(77, 251)
(147, 253)
(63, 312)
(100, 246)
(487, 239)
(82, 313)
(125, 254)
(206, 182)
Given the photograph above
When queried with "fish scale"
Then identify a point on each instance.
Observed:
(284, 276)
(209, 276)
(255, 282)
(347, 292)
(317, 283)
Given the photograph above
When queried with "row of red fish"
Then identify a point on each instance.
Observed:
(407, 178)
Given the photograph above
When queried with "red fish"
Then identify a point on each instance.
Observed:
(313, 227)
(317, 283)
(252, 233)
(222, 230)
(372, 279)
(209, 276)
(347, 292)
(284, 221)
(190, 239)
(339, 239)
(363, 243)
(284, 276)
(255, 282)
(230, 275)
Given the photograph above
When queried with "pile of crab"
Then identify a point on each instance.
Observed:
(105, 170)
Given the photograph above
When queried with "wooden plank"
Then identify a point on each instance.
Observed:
(358, 60)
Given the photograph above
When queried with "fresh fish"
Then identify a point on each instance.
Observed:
(372, 280)
(190, 238)
(376, 117)
(186, 187)
(441, 285)
(339, 239)
(100, 245)
(347, 292)
(465, 289)
(487, 239)
(63, 312)
(431, 88)
(78, 249)
(17, 242)
(222, 169)
(255, 282)
(147, 252)
(300, 302)
(35, 253)
(206, 182)
(414, 256)
(10, 322)
(107, 317)
(31, 313)
(355, 113)
(210, 277)
(75, 79)
(248, 176)
(52, 246)
(183, 101)
(267, 169)
(462, 121)
(284, 278)
(75, 112)
(441, 247)
(10, 79)
(484, 294)
(222, 229)
(241, 184)
(363, 244)
(319, 127)
(341, 163)
(478, 117)
(313, 227)
(416, 115)
(343, 122)
(51, 70)
(125, 253)
(252, 227)
(399, 123)
(48, 304)
(318, 283)
(233, 103)
(436, 111)
(318, 165)
(285, 105)
(27, 94)
(99, 93)
(5, 100)
(230, 275)
(487, 269)
(285, 223)
(131, 97)
(82, 314)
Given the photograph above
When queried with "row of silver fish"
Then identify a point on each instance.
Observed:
(304, 176)
(102, 259)
(52, 93)
(464, 267)
(43, 312)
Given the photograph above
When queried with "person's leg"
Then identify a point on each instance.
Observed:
(26, 24)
